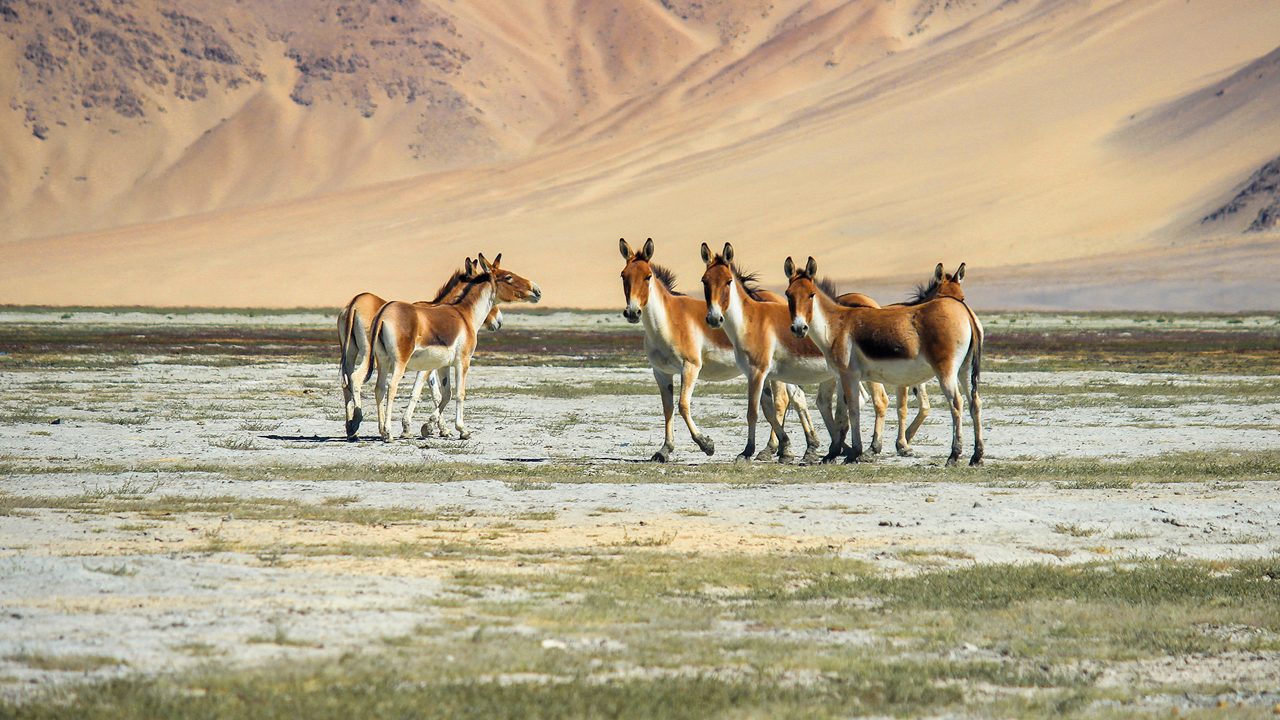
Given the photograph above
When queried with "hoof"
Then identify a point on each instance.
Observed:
(386, 437)
(708, 446)
(951, 461)
(765, 454)
(876, 447)
(905, 451)
(425, 432)
(976, 461)
(464, 434)
(743, 459)
(659, 457)
(351, 430)
(856, 459)
(810, 457)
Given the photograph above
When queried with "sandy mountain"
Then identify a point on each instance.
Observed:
(257, 153)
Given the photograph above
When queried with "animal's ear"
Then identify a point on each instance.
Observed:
(467, 268)
(647, 253)
(728, 253)
(937, 273)
(497, 260)
(789, 267)
(960, 273)
(706, 254)
(624, 248)
(484, 264)
(811, 267)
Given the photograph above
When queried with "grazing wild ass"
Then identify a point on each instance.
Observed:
(678, 342)
(897, 345)
(432, 337)
(355, 328)
(764, 348)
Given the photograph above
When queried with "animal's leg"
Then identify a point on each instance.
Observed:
(414, 396)
(361, 368)
(922, 396)
(387, 384)
(447, 383)
(975, 414)
(770, 395)
(433, 422)
(956, 403)
(771, 411)
(755, 385)
(667, 391)
(689, 378)
(344, 380)
(904, 441)
(462, 366)
(800, 403)
(826, 397)
(880, 401)
(849, 383)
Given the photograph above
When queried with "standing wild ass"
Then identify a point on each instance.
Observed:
(897, 345)
(431, 337)
(355, 328)
(765, 349)
(678, 342)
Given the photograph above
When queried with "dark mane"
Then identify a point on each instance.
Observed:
(827, 286)
(472, 282)
(924, 291)
(750, 281)
(666, 277)
(449, 285)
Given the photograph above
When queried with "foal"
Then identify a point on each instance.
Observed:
(678, 342)
(431, 337)
(897, 345)
(355, 327)
(764, 349)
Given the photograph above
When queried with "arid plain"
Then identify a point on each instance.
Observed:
(190, 190)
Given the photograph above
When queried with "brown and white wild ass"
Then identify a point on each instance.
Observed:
(897, 345)
(432, 337)
(355, 328)
(905, 432)
(764, 348)
(677, 341)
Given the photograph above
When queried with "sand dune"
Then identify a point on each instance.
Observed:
(1041, 142)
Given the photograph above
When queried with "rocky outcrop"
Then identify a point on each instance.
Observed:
(1260, 195)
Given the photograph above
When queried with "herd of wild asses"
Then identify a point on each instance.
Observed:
(848, 344)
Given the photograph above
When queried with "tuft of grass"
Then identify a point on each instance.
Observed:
(1074, 530)
(118, 570)
(63, 663)
(541, 515)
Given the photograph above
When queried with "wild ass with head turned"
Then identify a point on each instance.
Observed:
(431, 337)
(897, 345)
(677, 341)
(355, 328)
(765, 349)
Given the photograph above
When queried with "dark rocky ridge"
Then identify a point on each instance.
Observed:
(87, 60)
(1261, 189)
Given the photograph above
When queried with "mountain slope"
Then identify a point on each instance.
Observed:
(879, 137)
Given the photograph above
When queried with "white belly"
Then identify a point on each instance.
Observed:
(719, 364)
(798, 370)
(896, 372)
(433, 357)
